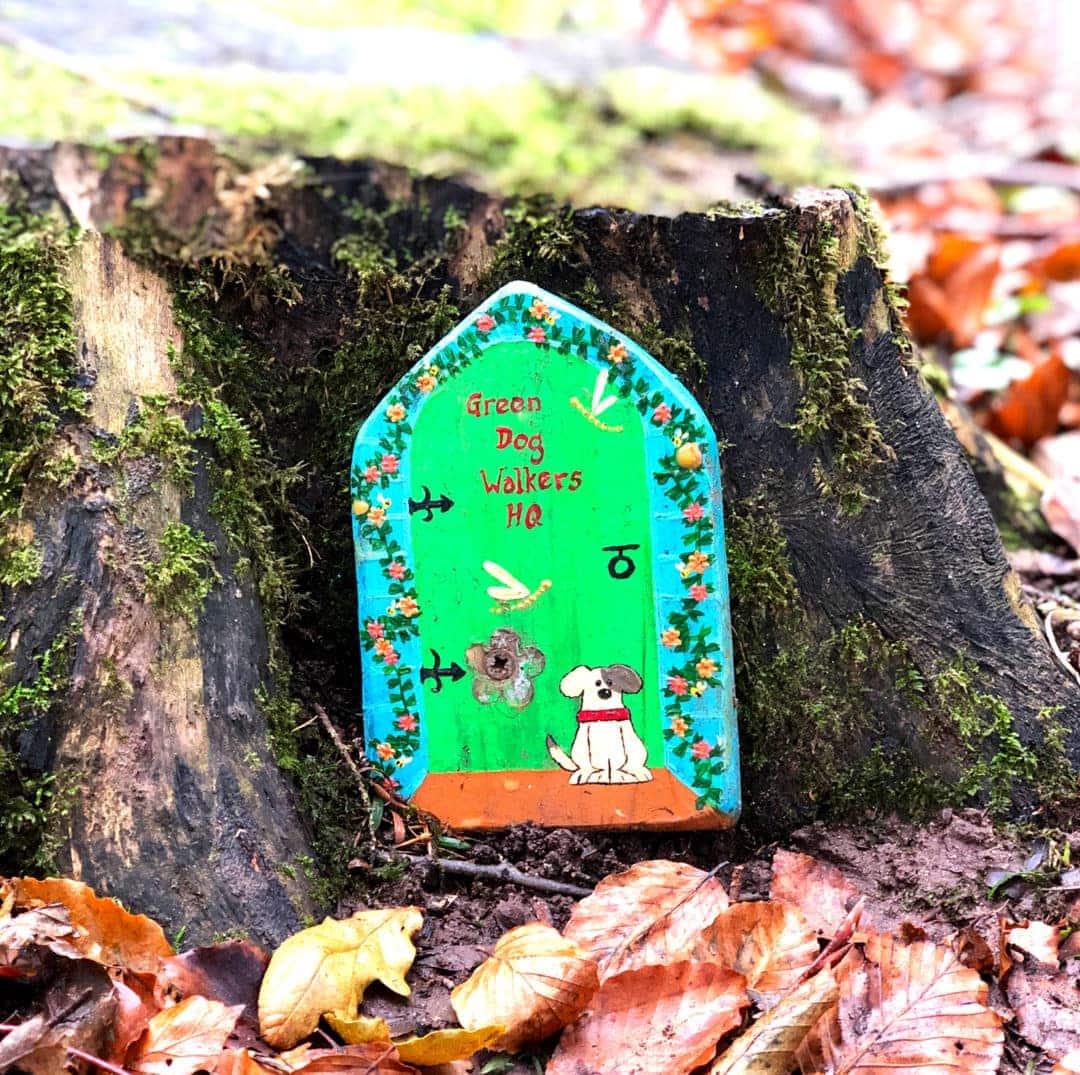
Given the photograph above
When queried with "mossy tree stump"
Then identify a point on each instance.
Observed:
(232, 329)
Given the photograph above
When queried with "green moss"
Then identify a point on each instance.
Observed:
(180, 580)
(32, 805)
(156, 431)
(540, 235)
(798, 285)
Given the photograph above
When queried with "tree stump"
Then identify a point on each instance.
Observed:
(233, 327)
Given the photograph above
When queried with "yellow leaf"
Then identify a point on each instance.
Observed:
(768, 1047)
(327, 968)
(185, 1038)
(535, 982)
(446, 1046)
(358, 1029)
(649, 914)
(106, 932)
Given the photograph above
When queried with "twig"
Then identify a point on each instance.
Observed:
(358, 776)
(96, 1061)
(1050, 637)
(504, 872)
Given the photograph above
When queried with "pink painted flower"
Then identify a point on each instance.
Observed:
(662, 414)
(389, 464)
(701, 749)
(371, 474)
(699, 591)
(407, 722)
(375, 629)
(392, 657)
(396, 570)
(485, 323)
(694, 512)
(677, 685)
(537, 334)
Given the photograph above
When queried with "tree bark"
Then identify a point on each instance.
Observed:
(880, 634)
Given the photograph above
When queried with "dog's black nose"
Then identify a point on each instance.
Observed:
(604, 692)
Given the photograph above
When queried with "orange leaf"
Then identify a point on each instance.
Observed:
(239, 1062)
(535, 983)
(229, 972)
(371, 1058)
(1037, 939)
(821, 892)
(906, 1009)
(186, 1038)
(653, 1019)
(1029, 408)
(770, 944)
(1061, 264)
(651, 913)
(1069, 1064)
(107, 933)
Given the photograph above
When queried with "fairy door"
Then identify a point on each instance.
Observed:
(543, 598)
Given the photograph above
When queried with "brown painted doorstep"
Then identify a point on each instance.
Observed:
(498, 799)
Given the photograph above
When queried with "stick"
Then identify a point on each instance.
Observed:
(504, 872)
(361, 783)
(1050, 637)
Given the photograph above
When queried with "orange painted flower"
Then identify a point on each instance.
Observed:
(425, 382)
(701, 749)
(617, 353)
(697, 562)
(706, 667)
(377, 516)
(408, 607)
(671, 638)
(539, 309)
(385, 751)
(679, 726)
(383, 646)
(395, 412)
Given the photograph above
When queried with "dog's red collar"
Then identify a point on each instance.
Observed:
(587, 716)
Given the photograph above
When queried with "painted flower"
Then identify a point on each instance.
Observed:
(699, 591)
(485, 323)
(408, 607)
(396, 570)
(360, 507)
(389, 463)
(662, 414)
(671, 638)
(385, 751)
(390, 782)
(706, 667)
(375, 629)
(392, 657)
(395, 412)
(677, 685)
(697, 562)
(425, 382)
(537, 334)
(371, 474)
(383, 646)
(694, 512)
(377, 516)
(701, 749)
(618, 353)
(407, 722)
(539, 309)
(679, 726)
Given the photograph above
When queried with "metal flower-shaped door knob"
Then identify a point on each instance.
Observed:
(504, 668)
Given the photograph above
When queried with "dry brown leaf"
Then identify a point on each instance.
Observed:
(651, 913)
(1046, 1004)
(771, 944)
(327, 968)
(447, 1046)
(230, 972)
(534, 983)
(106, 932)
(242, 1062)
(906, 1009)
(768, 1047)
(821, 892)
(654, 1019)
(372, 1058)
(185, 1038)
(1038, 939)
(43, 927)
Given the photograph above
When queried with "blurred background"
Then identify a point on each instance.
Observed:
(961, 117)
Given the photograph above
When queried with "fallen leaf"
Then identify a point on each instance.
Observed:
(185, 1038)
(327, 968)
(974, 951)
(1046, 1005)
(106, 932)
(47, 927)
(447, 1046)
(1061, 509)
(649, 914)
(768, 1047)
(132, 1017)
(230, 972)
(242, 1062)
(1037, 939)
(1069, 1064)
(771, 944)
(653, 1019)
(534, 983)
(358, 1029)
(1028, 409)
(373, 1058)
(821, 892)
(906, 1009)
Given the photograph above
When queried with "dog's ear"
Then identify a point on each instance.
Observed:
(623, 678)
(575, 681)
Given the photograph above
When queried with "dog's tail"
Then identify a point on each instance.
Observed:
(559, 756)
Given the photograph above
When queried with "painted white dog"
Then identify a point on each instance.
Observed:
(606, 749)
